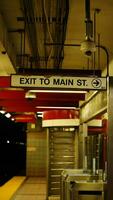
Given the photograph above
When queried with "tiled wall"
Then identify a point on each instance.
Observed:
(36, 152)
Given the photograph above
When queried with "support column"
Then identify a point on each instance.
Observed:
(110, 141)
(85, 133)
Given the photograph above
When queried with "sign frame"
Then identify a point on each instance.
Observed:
(59, 82)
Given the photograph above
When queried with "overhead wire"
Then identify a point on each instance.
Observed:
(49, 32)
(65, 17)
(62, 10)
(30, 26)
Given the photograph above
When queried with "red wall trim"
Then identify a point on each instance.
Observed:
(5, 81)
(61, 114)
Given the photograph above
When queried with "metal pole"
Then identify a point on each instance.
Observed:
(78, 45)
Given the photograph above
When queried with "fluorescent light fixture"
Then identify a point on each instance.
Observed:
(57, 91)
(21, 143)
(55, 107)
(40, 115)
(8, 115)
(2, 111)
(30, 95)
(39, 112)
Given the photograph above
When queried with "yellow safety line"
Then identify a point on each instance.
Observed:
(10, 187)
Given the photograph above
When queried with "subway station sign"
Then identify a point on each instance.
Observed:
(59, 82)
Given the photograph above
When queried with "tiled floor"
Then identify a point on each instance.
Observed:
(33, 188)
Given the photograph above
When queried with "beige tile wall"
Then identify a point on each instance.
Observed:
(36, 152)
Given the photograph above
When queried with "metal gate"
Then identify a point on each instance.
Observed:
(61, 156)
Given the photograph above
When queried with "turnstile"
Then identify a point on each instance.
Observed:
(88, 190)
(64, 175)
(68, 177)
(79, 185)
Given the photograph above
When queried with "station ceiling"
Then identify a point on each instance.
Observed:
(42, 36)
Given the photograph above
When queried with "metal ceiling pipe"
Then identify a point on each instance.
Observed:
(88, 21)
(88, 46)
(87, 9)
(30, 28)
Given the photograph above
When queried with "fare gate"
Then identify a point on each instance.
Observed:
(61, 156)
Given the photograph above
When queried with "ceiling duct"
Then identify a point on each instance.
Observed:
(88, 46)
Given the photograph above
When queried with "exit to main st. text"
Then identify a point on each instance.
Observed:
(54, 81)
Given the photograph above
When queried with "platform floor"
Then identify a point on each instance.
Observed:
(33, 188)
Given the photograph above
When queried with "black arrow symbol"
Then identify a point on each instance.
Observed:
(96, 83)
